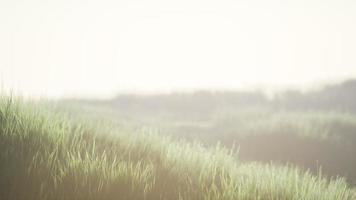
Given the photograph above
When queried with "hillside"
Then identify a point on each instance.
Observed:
(48, 155)
(312, 130)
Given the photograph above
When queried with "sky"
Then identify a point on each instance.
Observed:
(73, 48)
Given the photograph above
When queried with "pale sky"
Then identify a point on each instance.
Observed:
(101, 48)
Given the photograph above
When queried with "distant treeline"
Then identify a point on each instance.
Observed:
(340, 97)
(337, 97)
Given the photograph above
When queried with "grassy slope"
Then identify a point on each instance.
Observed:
(307, 138)
(45, 156)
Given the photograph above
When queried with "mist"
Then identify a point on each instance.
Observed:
(178, 100)
(100, 49)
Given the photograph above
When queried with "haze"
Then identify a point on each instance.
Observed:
(101, 48)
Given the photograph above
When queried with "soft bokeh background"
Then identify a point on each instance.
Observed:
(101, 48)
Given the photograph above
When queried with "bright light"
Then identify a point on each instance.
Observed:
(103, 48)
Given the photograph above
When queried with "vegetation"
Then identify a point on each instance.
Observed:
(312, 130)
(47, 155)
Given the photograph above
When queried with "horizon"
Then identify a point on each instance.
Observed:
(269, 94)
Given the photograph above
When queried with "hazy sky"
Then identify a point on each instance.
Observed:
(98, 48)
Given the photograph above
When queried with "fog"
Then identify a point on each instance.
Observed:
(102, 48)
(171, 100)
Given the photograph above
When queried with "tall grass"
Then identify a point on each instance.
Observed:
(44, 155)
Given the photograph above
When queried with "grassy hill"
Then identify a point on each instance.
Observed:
(311, 130)
(46, 154)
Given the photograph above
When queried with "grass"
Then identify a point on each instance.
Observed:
(48, 155)
(311, 139)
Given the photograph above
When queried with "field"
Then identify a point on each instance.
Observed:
(204, 145)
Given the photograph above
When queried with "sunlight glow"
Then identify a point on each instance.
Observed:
(101, 48)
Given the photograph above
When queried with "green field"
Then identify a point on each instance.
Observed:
(50, 154)
(315, 131)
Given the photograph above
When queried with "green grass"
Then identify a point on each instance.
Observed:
(48, 155)
(311, 139)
